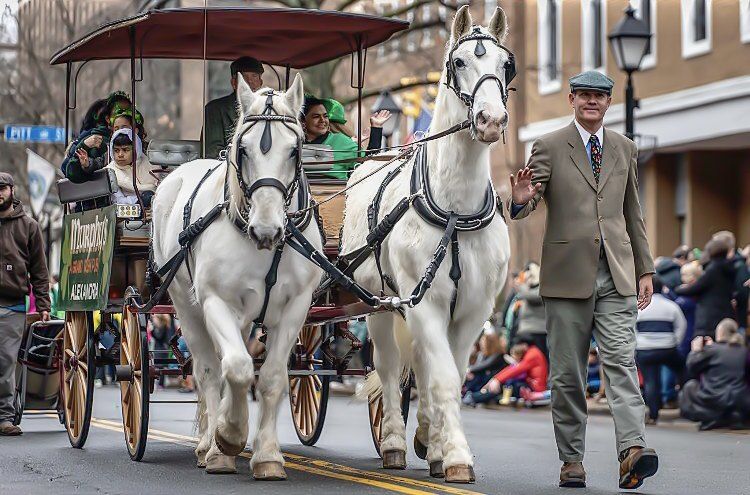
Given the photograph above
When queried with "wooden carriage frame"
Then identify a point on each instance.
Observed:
(219, 34)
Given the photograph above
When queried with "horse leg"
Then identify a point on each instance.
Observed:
(427, 444)
(426, 322)
(206, 366)
(237, 373)
(387, 358)
(268, 462)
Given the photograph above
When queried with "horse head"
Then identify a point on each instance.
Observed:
(265, 154)
(478, 70)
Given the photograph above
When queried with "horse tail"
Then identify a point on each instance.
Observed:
(372, 385)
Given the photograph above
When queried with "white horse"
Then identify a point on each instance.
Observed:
(223, 291)
(433, 342)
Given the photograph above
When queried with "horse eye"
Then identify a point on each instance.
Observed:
(459, 63)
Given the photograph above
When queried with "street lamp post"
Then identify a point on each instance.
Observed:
(629, 41)
(386, 101)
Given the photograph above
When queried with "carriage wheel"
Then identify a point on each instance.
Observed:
(135, 383)
(375, 411)
(77, 373)
(308, 394)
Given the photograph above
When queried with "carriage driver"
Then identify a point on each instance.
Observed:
(221, 113)
(22, 262)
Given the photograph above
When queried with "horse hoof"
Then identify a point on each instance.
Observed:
(227, 448)
(420, 449)
(201, 459)
(221, 464)
(436, 469)
(459, 474)
(269, 471)
(394, 459)
(201, 463)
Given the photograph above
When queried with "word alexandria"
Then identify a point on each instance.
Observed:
(88, 237)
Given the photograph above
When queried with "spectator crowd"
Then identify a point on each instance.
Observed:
(691, 341)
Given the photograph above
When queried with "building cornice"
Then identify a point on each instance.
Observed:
(650, 117)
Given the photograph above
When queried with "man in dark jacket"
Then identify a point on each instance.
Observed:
(741, 275)
(221, 113)
(717, 395)
(22, 261)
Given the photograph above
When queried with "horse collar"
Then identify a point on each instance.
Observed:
(428, 209)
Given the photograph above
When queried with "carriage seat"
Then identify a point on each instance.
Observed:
(172, 152)
(102, 183)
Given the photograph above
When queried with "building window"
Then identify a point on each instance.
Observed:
(696, 27)
(645, 10)
(549, 14)
(594, 24)
(745, 21)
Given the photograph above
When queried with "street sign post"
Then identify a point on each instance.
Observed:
(17, 133)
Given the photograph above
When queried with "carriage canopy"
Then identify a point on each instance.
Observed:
(298, 38)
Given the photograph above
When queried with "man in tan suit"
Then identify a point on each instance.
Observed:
(595, 274)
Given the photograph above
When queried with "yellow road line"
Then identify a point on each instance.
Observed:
(317, 466)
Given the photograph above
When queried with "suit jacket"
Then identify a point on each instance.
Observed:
(581, 215)
(221, 119)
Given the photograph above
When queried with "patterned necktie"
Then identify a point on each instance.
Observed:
(596, 157)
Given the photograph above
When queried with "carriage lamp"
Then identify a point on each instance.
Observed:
(386, 101)
(629, 42)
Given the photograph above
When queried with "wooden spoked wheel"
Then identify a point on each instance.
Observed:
(308, 394)
(136, 385)
(375, 412)
(77, 372)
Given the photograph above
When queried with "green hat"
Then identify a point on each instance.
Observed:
(593, 81)
(335, 110)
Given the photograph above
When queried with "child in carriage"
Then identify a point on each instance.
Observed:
(121, 149)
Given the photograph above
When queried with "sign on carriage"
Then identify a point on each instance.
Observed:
(86, 260)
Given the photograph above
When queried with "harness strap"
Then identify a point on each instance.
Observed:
(372, 220)
(270, 281)
(187, 212)
(455, 273)
(437, 259)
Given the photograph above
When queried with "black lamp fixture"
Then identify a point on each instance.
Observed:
(386, 101)
(629, 41)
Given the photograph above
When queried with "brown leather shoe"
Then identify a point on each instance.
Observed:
(637, 464)
(572, 475)
(8, 429)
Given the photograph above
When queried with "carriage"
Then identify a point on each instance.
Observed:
(104, 274)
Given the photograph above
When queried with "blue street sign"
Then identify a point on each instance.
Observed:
(16, 133)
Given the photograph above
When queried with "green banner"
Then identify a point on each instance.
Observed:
(86, 259)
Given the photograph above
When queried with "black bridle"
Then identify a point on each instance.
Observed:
(509, 70)
(268, 116)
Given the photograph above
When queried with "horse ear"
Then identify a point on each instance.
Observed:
(295, 95)
(461, 23)
(499, 25)
(245, 95)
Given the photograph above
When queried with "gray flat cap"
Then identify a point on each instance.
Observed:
(591, 80)
(6, 179)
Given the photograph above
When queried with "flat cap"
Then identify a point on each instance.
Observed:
(6, 179)
(591, 80)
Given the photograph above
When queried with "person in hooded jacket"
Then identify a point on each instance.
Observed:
(713, 290)
(668, 269)
(23, 266)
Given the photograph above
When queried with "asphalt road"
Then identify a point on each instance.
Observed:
(514, 451)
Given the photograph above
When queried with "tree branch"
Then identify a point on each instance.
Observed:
(393, 89)
(418, 27)
(407, 8)
(447, 5)
(346, 4)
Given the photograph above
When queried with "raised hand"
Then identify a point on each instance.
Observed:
(521, 187)
(93, 141)
(379, 118)
(83, 158)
